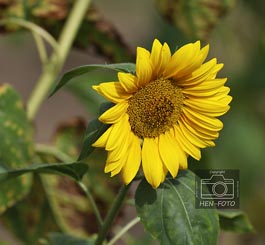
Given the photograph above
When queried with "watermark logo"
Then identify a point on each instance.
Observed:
(217, 188)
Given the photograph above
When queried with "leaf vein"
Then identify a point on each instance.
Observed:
(184, 207)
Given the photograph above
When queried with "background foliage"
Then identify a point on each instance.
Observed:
(236, 33)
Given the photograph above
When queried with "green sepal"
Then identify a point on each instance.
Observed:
(235, 221)
(168, 213)
(78, 71)
(94, 130)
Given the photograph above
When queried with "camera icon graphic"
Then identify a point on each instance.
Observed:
(217, 188)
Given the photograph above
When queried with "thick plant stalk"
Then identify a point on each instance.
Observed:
(52, 69)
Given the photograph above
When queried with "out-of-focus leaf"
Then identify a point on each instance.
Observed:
(64, 239)
(235, 221)
(51, 15)
(73, 170)
(16, 147)
(70, 207)
(78, 71)
(68, 136)
(31, 218)
(104, 37)
(94, 130)
(195, 18)
(169, 212)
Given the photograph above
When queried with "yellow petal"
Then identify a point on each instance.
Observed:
(185, 60)
(168, 153)
(156, 54)
(209, 123)
(216, 108)
(112, 166)
(143, 67)
(193, 137)
(114, 114)
(165, 58)
(186, 145)
(198, 59)
(102, 140)
(160, 56)
(128, 82)
(199, 75)
(215, 70)
(118, 156)
(120, 128)
(112, 91)
(194, 129)
(118, 167)
(132, 164)
(208, 85)
(182, 155)
(152, 163)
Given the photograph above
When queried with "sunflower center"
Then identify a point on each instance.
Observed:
(155, 108)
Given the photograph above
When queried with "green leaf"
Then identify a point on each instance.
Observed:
(16, 146)
(64, 239)
(234, 220)
(169, 212)
(73, 170)
(78, 71)
(94, 130)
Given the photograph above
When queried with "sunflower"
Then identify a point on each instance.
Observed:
(163, 113)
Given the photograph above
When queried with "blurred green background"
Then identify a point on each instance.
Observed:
(237, 40)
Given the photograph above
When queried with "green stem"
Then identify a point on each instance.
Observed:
(93, 203)
(112, 214)
(33, 28)
(41, 48)
(56, 62)
(124, 230)
(51, 150)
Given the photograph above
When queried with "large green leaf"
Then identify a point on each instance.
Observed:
(169, 212)
(78, 71)
(234, 220)
(16, 147)
(73, 170)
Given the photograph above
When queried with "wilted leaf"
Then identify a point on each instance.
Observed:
(16, 148)
(30, 218)
(51, 15)
(196, 18)
(169, 212)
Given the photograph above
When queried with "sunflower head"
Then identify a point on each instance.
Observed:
(163, 113)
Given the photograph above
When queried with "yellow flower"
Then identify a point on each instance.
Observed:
(164, 113)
